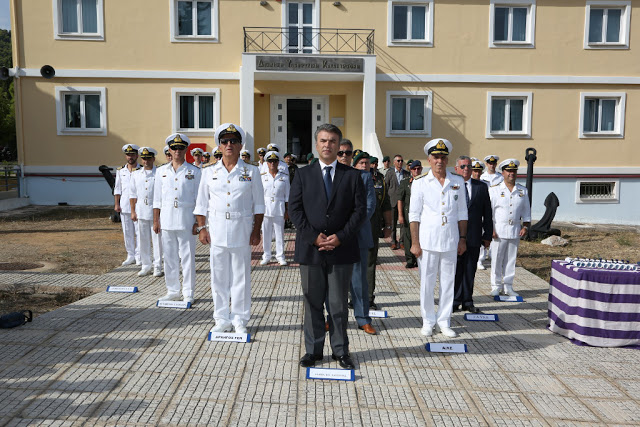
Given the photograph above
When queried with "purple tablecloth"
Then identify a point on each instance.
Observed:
(595, 306)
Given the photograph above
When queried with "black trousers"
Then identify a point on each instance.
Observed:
(330, 283)
(465, 276)
(394, 235)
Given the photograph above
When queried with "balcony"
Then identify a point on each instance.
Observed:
(334, 41)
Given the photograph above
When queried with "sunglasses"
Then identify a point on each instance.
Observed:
(229, 141)
(492, 163)
(273, 161)
(399, 160)
(345, 153)
(178, 148)
(464, 166)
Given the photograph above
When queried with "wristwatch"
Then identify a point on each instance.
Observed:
(199, 229)
(387, 227)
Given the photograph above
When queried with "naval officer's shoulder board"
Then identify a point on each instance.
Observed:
(421, 176)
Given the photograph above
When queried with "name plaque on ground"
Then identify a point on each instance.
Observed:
(125, 289)
(331, 374)
(173, 304)
(438, 347)
(481, 317)
(507, 298)
(229, 337)
(307, 63)
(378, 313)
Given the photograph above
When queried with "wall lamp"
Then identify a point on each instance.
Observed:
(263, 3)
(337, 3)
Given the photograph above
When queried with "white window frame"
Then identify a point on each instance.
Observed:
(527, 109)
(618, 132)
(57, 24)
(531, 24)
(614, 199)
(428, 42)
(409, 94)
(175, 109)
(625, 23)
(215, 24)
(285, 23)
(61, 91)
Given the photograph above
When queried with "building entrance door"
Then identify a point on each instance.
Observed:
(294, 120)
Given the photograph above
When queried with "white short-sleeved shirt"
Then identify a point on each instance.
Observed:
(491, 179)
(123, 187)
(438, 208)
(229, 200)
(175, 194)
(143, 185)
(276, 193)
(509, 209)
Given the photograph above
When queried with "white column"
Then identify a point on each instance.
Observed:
(247, 80)
(369, 140)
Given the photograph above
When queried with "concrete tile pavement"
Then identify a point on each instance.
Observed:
(116, 359)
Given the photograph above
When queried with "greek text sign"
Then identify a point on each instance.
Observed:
(229, 337)
(306, 63)
(481, 317)
(446, 348)
(507, 298)
(173, 304)
(331, 374)
(126, 289)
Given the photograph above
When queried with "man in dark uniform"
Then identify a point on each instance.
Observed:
(404, 195)
(380, 227)
(289, 160)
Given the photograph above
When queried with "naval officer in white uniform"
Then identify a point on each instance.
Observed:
(282, 166)
(276, 199)
(142, 212)
(438, 222)
(490, 175)
(510, 205)
(122, 194)
(174, 198)
(229, 211)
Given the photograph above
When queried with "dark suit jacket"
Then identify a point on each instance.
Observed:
(365, 238)
(392, 185)
(343, 214)
(480, 223)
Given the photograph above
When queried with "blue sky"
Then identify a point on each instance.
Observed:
(5, 22)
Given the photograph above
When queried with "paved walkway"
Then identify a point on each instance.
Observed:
(117, 359)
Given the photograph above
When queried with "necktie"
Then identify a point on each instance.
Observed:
(466, 192)
(327, 181)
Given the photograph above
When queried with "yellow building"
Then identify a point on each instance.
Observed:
(494, 77)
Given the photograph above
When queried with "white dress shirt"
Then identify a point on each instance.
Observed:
(123, 187)
(492, 179)
(333, 168)
(143, 185)
(175, 194)
(276, 193)
(438, 208)
(229, 200)
(509, 208)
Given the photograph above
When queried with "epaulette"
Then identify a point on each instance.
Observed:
(421, 176)
(495, 185)
(159, 166)
(456, 174)
(263, 173)
(206, 165)
(139, 167)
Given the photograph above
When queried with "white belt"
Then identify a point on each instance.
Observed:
(231, 215)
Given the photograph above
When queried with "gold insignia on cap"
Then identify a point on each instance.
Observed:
(441, 145)
(273, 156)
(492, 159)
(145, 152)
(231, 128)
(177, 139)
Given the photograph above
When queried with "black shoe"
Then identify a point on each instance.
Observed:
(411, 264)
(472, 309)
(456, 308)
(373, 306)
(344, 361)
(350, 305)
(308, 360)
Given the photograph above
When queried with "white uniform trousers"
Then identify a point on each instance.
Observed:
(503, 263)
(430, 264)
(146, 236)
(130, 232)
(231, 278)
(271, 224)
(179, 246)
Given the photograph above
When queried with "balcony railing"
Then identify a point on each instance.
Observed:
(308, 40)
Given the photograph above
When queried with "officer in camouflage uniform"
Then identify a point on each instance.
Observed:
(380, 227)
(404, 195)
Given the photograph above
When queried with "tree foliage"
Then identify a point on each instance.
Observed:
(7, 109)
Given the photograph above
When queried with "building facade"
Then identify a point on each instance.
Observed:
(494, 77)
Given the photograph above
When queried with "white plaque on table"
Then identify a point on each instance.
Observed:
(378, 313)
(124, 289)
(331, 374)
(481, 317)
(508, 298)
(439, 347)
(229, 337)
(173, 304)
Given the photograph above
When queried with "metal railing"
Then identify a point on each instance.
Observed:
(10, 178)
(308, 40)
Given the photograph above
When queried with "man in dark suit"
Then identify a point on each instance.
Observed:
(327, 205)
(392, 179)
(479, 232)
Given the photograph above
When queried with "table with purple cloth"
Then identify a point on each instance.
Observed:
(595, 306)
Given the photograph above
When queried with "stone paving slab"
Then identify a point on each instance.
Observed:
(117, 359)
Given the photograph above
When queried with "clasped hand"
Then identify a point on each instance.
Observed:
(325, 243)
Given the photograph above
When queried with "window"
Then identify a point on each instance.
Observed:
(602, 115)
(196, 111)
(81, 110)
(300, 21)
(409, 113)
(410, 23)
(509, 114)
(512, 23)
(597, 191)
(78, 19)
(607, 25)
(194, 21)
